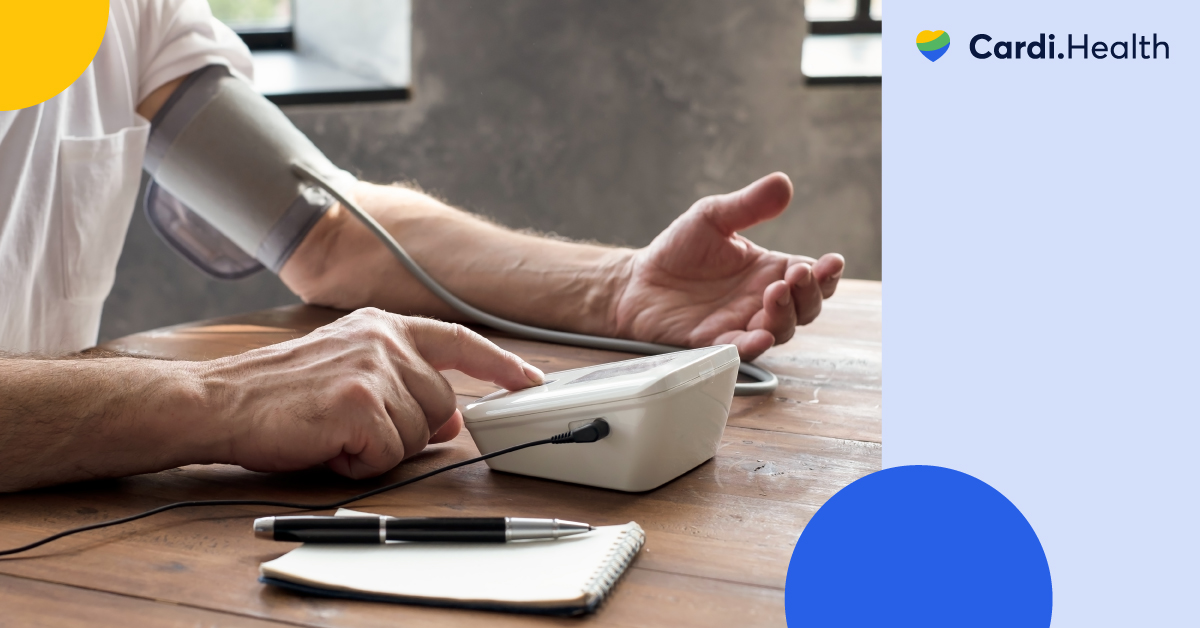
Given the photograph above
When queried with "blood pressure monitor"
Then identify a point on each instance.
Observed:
(666, 414)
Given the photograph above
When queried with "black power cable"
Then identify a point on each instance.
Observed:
(587, 433)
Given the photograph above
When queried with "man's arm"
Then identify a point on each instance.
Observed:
(157, 98)
(77, 419)
(697, 284)
(538, 281)
(360, 395)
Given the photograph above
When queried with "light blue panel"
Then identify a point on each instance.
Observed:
(1041, 228)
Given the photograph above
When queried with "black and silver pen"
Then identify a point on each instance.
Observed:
(379, 529)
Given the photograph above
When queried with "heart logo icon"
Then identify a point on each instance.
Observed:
(933, 44)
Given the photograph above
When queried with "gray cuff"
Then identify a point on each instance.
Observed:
(293, 226)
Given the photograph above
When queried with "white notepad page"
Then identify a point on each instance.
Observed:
(570, 570)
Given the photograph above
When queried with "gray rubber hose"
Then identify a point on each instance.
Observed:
(766, 380)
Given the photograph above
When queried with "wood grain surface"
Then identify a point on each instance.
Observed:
(718, 543)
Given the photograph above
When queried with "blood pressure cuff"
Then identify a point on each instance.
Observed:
(222, 189)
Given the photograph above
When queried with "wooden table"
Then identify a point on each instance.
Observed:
(718, 539)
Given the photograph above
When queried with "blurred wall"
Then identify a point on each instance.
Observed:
(593, 120)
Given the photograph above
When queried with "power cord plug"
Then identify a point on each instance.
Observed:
(590, 432)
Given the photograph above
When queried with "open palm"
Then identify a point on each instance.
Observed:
(700, 283)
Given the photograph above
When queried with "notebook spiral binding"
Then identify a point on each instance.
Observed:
(615, 564)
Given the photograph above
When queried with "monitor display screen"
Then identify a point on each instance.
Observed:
(624, 368)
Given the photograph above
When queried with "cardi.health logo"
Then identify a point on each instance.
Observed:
(933, 44)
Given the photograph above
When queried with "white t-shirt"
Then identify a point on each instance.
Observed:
(70, 169)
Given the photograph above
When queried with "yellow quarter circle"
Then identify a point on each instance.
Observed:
(45, 46)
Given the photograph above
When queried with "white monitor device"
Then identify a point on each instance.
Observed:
(666, 414)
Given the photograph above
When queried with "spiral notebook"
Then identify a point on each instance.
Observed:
(568, 576)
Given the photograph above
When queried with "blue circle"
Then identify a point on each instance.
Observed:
(918, 546)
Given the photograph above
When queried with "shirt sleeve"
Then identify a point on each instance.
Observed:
(178, 37)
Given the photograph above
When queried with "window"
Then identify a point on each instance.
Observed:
(262, 24)
(844, 42)
(835, 17)
(324, 51)
(252, 15)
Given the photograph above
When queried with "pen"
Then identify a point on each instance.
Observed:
(378, 529)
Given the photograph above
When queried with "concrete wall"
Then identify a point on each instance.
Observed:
(595, 120)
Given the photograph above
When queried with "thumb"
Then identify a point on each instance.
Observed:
(449, 346)
(758, 202)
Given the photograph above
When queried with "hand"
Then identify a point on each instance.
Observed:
(699, 283)
(360, 394)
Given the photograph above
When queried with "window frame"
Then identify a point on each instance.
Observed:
(267, 38)
(862, 22)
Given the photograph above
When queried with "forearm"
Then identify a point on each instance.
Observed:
(79, 419)
(537, 281)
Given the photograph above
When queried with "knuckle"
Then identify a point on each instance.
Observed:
(392, 451)
(366, 363)
(414, 431)
(355, 393)
(467, 336)
(461, 335)
(407, 326)
(706, 204)
(378, 335)
(374, 319)
(391, 345)
(432, 395)
(422, 436)
(359, 318)
(445, 404)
